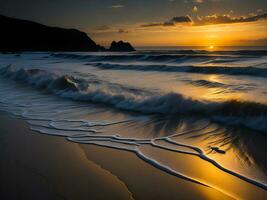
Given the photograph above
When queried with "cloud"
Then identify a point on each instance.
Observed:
(116, 6)
(194, 1)
(103, 28)
(227, 19)
(182, 19)
(256, 42)
(123, 31)
(171, 22)
(207, 20)
(152, 24)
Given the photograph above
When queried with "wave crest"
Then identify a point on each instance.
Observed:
(231, 112)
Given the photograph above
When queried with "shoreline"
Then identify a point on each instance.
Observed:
(39, 166)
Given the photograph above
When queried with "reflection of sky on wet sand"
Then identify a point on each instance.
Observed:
(244, 149)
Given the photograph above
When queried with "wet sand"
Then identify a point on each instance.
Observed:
(36, 166)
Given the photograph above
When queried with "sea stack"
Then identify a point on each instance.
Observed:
(121, 46)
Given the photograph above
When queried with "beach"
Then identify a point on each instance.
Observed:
(35, 166)
(133, 100)
(139, 125)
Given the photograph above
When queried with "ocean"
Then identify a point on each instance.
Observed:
(206, 104)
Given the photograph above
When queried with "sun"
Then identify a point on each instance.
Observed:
(211, 47)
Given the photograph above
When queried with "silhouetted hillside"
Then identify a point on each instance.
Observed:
(23, 35)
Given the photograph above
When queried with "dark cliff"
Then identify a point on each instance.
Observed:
(23, 35)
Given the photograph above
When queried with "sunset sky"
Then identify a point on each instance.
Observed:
(153, 22)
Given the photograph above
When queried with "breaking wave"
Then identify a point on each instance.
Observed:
(249, 114)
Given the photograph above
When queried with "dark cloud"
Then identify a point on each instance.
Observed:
(182, 19)
(171, 22)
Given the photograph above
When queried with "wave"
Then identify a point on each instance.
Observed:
(208, 84)
(248, 114)
(248, 71)
(167, 56)
(227, 60)
(222, 86)
(250, 52)
(141, 57)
